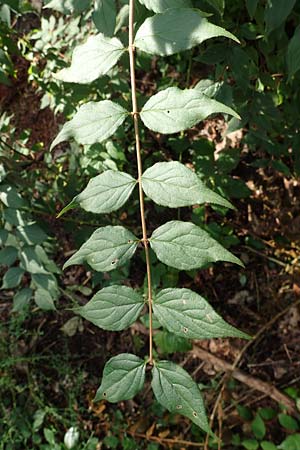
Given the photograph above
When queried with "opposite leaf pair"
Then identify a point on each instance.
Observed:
(124, 377)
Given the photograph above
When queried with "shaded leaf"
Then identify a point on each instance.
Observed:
(173, 110)
(105, 193)
(10, 197)
(258, 427)
(21, 299)
(251, 7)
(31, 262)
(185, 246)
(171, 343)
(108, 248)
(123, 378)
(293, 54)
(177, 391)
(92, 60)
(94, 122)
(113, 308)
(276, 13)
(174, 185)
(288, 422)
(44, 300)
(187, 314)
(46, 282)
(31, 234)
(104, 16)
(176, 30)
(12, 278)
(8, 255)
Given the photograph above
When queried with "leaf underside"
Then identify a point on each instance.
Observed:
(185, 246)
(173, 110)
(173, 185)
(93, 122)
(174, 388)
(123, 378)
(187, 314)
(108, 248)
(113, 308)
(92, 60)
(176, 30)
(105, 193)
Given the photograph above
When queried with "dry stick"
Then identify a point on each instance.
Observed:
(165, 440)
(255, 383)
(232, 367)
(135, 115)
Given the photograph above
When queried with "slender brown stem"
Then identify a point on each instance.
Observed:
(135, 115)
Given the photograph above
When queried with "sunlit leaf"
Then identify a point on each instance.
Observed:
(94, 122)
(185, 246)
(108, 248)
(91, 60)
(105, 193)
(176, 30)
(173, 110)
(173, 185)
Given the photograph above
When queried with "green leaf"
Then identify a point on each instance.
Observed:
(92, 60)
(174, 185)
(293, 54)
(170, 343)
(265, 445)
(176, 30)
(123, 378)
(258, 427)
(94, 122)
(251, 6)
(185, 246)
(104, 16)
(46, 282)
(267, 413)
(30, 261)
(68, 6)
(44, 300)
(3, 236)
(177, 391)
(21, 299)
(173, 110)
(185, 313)
(8, 255)
(31, 234)
(159, 6)
(250, 444)
(288, 422)
(292, 442)
(113, 308)
(276, 13)
(105, 193)
(10, 197)
(218, 5)
(12, 278)
(108, 248)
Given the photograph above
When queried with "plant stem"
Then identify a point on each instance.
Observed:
(135, 115)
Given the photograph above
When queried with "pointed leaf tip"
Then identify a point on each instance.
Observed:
(176, 30)
(174, 388)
